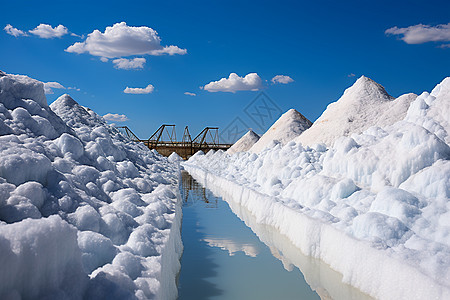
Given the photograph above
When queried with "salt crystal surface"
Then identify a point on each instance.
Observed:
(244, 143)
(85, 213)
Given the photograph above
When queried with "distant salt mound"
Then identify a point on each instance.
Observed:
(244, 143)
(363, 105)
(174, 157)
(290, 125)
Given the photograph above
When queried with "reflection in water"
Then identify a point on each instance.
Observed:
(324, 280)
(224, 259)
(232, 247)
(320, 277)
(192, 192)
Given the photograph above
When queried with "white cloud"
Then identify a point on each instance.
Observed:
(122, 40)
(128, 64)
(46, 31)
(115, 118)
(419, 34)
(147, 90)
(104, 59)
(351, 75)
(49, 86)
(251, 82)
(73, 88)
(14, 31)
(190, 94)
(282, 79)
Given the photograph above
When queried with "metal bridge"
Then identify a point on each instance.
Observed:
(164, 140)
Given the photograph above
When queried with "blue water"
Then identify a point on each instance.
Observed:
(224, 259)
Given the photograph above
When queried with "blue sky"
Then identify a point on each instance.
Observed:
(324, 46)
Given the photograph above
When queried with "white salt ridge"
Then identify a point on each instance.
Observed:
(363, 105)
(290, 125)
(244, 143)
(431, 110)
(112, 206)
(375, 201)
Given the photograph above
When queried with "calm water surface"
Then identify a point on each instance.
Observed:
(223, 258)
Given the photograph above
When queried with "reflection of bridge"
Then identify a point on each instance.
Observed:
(164, 140)
(191, 187)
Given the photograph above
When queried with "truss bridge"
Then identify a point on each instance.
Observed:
(164, 140)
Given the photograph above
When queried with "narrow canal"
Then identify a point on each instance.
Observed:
(224, 259)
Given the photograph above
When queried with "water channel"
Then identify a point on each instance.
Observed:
(227, 255)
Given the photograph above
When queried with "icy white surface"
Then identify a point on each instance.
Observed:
(290, 125)
(85, 213)
(375, 207)
(363, 105)
(244, 143)
(174, 157)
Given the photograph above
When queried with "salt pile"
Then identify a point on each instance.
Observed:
(363, 105)
(375, 206)
(85, 213)
(244, 143)
(290, 125)
(174, 157)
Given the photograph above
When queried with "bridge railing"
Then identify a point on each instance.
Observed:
(207, 139)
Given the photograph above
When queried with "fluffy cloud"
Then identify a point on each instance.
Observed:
(14, 31)
(46, 31)
(146, 90)
(128, 64)
(73, 88)
(190, 94)
(251, 82)
(115, 118)
(122, 40)
(419, 34)
(282, 79)
(49, 86)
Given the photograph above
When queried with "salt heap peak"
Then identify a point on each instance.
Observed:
(290, 125)
(365, 89)
(174, 158)
(363, 105)
(244, 143)
(73, 113)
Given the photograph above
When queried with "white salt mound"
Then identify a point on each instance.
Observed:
(84, 212)
(377, 200)
(364, 104)
(290, 125)
(244, 143)
(174, 157)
